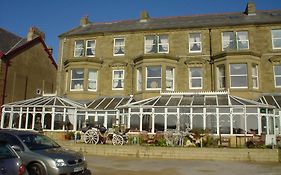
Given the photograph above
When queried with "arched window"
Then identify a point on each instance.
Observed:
(197, 122)
(211, 123)
(15, 122)
(224, 123)
(23, 121)
(135, 122)
(172, 121)
(29, 121)
(47, 121)
(6, 120)
(238, 122)
(58, 125)
(159, 122)
(277, 125)
(252, 124)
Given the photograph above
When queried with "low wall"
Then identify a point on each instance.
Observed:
(232, 154)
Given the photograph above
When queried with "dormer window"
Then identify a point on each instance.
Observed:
(235, 41)
(119, 47)
(156, 44)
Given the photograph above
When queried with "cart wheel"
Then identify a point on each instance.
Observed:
(91, 136)
(117, 140)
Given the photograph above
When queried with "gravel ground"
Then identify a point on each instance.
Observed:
(102, 165)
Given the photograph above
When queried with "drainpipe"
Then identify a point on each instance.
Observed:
(211, 61)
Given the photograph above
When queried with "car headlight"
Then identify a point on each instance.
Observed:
(60, 162)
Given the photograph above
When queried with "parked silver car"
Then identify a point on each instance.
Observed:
(42, 155)
(10, 162)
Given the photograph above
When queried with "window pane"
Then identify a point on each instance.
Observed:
(139, 79)
(79, 48)
(150, 44)
(154, 71)
(228, 40)
(118, 79)
(195, 42)
(221, 77)
(153, 77)
(239, 81)
(170, 78)
(238, 69)
(119, 47)
(77, 79)
(153, 82)
(276, 33)
(92, 81)
(195, 77)
(91, 47)
(196, 72)
(277, 70)
(163, 44)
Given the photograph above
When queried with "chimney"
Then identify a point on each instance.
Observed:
(144, 17)
(250, 8)
(84, 21)
(34, 32)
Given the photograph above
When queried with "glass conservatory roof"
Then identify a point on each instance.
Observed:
(46, 101)
(198, 99)
(109, 103)
(271, 99)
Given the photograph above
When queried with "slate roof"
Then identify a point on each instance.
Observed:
(8, 40)
(182, 22)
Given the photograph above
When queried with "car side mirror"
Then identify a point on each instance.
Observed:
(16, 148)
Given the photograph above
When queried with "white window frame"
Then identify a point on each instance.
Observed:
(83, 49)
(94, 80)
(276, 76)
(117, 46)
(195, 78)
(235, 41)
(139, 79)
(118, 79)
(221, 77)
(157, 37)
(273, 39)
(238, 75)
(191, 43)
(88, 47)
(147, 78)
(255, 75)
(75, 79)
(170, 79)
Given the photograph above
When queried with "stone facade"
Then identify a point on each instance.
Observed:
(28, 69)
(259, 58)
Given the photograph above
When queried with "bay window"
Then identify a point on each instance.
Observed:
(153, 77)
(276, 39)
(238, 76)
(77, 79)
(119, 47)
(156, 44)
(139, 79)
(195, 78)
(170, 78)
(255, 76)
(277, 75)
(221, 77)
(118, 79)
(92, 80)
(195, 42)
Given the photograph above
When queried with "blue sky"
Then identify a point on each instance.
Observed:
(55, 17)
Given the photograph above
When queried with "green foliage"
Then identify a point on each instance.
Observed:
(161, 142)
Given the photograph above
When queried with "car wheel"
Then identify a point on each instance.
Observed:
(36, 169)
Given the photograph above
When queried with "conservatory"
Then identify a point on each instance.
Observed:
(59, 114)
(218, 112)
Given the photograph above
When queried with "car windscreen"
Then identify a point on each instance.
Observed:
(38, 141)
(6, 152)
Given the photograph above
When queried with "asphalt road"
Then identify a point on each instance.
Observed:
(100, 165)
